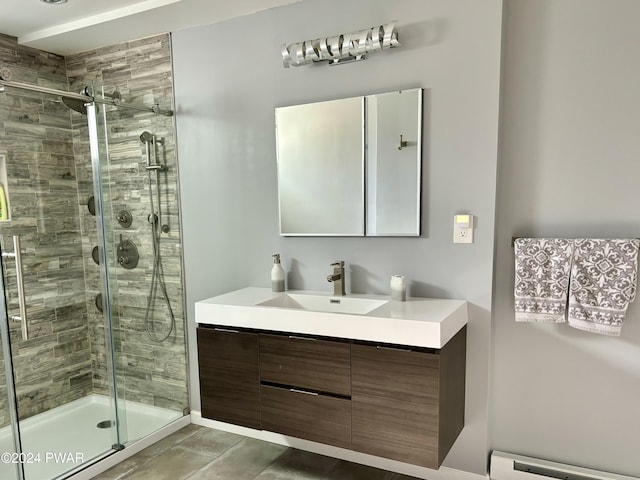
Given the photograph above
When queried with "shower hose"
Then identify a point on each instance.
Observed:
(157, 276)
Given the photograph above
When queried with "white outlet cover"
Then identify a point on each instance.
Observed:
(463, 234)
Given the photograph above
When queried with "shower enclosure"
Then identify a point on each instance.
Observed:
(93, 351)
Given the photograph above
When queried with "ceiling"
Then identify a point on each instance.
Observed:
(81, 25)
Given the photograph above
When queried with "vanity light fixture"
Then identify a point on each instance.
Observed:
(54, 2)
(346, 47)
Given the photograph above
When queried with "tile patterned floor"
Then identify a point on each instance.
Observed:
(198, 453)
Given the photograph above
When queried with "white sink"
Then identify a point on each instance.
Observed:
(421, 322)
(323, 303)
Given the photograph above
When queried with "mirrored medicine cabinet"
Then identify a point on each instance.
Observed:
(351, 167)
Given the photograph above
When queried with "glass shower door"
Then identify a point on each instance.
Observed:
(58, 419)
(94, 352)
(63, 423)
(10, 467)
(138, 185)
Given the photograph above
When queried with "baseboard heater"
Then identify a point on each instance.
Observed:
(508, 466)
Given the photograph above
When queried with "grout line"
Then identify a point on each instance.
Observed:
(140, 469)
(224, 454)
(271, 463)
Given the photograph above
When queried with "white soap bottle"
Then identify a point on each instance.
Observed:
(277, 274)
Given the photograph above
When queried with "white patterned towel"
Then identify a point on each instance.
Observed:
(542, 279)
(603, 283)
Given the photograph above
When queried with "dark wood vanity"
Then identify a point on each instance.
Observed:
(393, 401)
(229, 376)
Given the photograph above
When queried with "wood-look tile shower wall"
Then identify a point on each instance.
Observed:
(50, 182)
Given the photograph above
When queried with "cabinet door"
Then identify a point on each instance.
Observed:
(396, 374)
(395, 404)
(308, 363)
(229, 376)
(315, 417)
(408, 405)
(403, 431)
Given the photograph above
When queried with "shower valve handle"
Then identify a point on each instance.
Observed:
(127, 254)
(125, 219)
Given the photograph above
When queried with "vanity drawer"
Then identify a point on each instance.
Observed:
(315, 417)
(314, 364)
(395, 373)
(403, 431)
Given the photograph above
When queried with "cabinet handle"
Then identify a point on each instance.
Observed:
(295, 390)
(226, 330)
(295, 337)
(399, 349)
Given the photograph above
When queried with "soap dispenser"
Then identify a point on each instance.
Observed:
(277, 274)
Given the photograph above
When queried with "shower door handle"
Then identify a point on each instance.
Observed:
(17, 254)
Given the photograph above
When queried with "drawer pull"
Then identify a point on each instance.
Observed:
(226, 330)
(295, 337)
(400, 349)
(295, 390)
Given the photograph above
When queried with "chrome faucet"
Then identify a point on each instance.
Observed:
(337, 278)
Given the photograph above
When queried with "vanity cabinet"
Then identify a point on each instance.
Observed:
(408, 403)
(229, 376)
(396, 402)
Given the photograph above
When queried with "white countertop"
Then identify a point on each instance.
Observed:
(421, 322)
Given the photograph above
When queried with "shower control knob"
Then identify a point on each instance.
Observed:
(127, 262)
(127, 254)
(124, 218)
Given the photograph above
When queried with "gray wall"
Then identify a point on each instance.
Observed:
(569, 167)
(228, 80)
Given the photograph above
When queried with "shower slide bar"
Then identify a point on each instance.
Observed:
(80, 96)
(17, 255)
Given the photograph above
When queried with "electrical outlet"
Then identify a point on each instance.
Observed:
(463, 229)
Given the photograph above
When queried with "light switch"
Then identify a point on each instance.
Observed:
(463, 228)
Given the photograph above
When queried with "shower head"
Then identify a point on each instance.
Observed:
(116, 97)
(146, 137)
(75, 104)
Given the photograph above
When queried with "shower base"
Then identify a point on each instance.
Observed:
(68, 436)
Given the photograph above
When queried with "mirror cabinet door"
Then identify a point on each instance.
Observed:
(321, 168)
(394, 140)
(334, 157)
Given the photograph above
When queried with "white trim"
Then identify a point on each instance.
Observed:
(131, 450)
(92, 20)
(444, 473)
